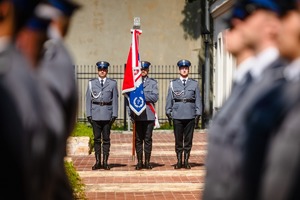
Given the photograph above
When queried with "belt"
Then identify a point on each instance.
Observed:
(102, 103)
(185, 100)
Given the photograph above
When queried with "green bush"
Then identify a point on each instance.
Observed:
(75, 181)
(82, 129)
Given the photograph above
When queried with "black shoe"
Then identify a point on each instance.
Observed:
(105, 165)
(96, 166)
(178, 165)
(187, 165)
(186, 161)
(179, 161)
(98, 162)
(139, 165)
(147, 161)
(148, 165)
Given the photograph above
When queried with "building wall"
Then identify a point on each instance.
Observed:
(224, 63)
(100, 30)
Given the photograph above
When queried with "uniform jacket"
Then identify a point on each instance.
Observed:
(58, 74)
(107, 93)
(281, 177)
(28, 96)
(151, 96)
(183, 110)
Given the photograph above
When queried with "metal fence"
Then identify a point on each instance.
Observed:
(162, 73)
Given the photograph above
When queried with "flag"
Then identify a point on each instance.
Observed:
(132, 87)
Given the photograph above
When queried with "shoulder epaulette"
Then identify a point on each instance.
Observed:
(93, 79)
(112, 79)
(153, 79)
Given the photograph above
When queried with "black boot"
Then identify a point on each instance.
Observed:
(105, 165)
(139, 165)
(147, 161)
(98, 162)
(179, 161)
(186, 161)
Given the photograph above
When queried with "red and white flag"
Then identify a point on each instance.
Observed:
(132, 83)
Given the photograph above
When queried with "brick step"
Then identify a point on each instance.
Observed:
(162, 182)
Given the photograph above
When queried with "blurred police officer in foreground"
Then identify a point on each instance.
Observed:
(237, 144)
(244, 56)
(57, 72)
(145, 122)
(101, 111)
(46, 165)
(57, 66)
(281, 175)
(19, 105)
(184, 108)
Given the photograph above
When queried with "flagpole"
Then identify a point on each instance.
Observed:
(136, 25)
(133, 141)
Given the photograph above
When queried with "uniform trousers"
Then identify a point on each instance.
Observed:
(101, 128)
(183, 133)
(143, 137)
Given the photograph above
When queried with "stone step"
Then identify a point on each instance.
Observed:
(144, 187)
(156, 153)
(143, 173)
(162, 182)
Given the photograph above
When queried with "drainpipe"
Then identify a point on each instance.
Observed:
(206, 110)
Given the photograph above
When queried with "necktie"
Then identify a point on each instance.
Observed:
(101, 82)
(183, 82)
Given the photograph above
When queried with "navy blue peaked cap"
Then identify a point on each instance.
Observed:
(24, 9)
(67, 7)
(102, 65)
(286, 6)
(238, 11)
(243, 8)
(183, 62)
(38, 23)
(25, 6)
(145, 64)
(249, 6)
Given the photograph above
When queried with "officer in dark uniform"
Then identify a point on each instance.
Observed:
(101, 111)
(144, 123)
(20, 105)
(238, 137)
(184, 108)
(57, 73)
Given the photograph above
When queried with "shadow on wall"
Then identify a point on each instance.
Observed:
(193, 25)
(193, 19)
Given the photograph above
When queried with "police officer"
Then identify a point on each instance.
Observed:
(57, 72)
(144, 123)
(238, 140)
(184, 108)
(101, 111)
(20, 105)
(57, 66)
(280, 178)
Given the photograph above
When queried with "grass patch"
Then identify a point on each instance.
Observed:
(75, 181)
